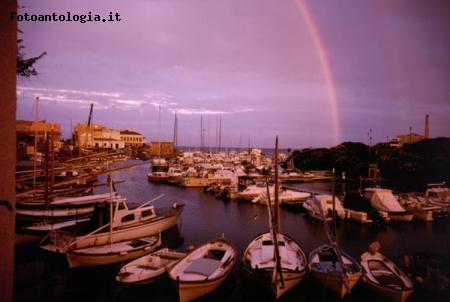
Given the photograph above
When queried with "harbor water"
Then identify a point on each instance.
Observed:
(41, 276)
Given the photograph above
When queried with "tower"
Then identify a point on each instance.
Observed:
(427, 126)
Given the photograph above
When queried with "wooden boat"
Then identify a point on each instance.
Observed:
(204, 269)
(331, 266)
(124, 224)
(259, 264)
(147, 268)
(273, 261)
(61, 208)
(334, 268)
(385, 278)
(112, 252)
(44, 227)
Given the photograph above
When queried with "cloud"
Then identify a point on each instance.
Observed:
(203, 111)
(21, 89)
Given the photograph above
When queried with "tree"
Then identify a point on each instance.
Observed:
(25, 65)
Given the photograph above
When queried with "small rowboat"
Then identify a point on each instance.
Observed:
(204, 269)
(384, 277)
(149, 267)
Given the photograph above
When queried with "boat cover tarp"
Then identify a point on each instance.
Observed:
(384, 200)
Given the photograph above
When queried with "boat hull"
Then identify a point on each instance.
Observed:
(83, 257)
(262, 280)
(188, 291)
(335, 283)
(391, 294)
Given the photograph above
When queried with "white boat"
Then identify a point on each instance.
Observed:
(253, 191)
(285, 196)
(420, 210)
(385, 278)
(204, 269)
(259, 263)
(126, 224)
(61, 208)
(273, 261)
(147, 268)
(321, 207)
(112, 252)
(335, 269)
(48, 226)
(384, 200)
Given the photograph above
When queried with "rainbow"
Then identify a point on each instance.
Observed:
(325, 65)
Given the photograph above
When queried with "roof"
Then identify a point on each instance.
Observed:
(129, 132)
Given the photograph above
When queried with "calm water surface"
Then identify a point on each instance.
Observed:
(46, 277)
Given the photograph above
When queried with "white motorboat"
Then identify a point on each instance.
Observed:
(384, 200)
(112, 252)
(321, 207)
(125, 224)
(253, 191)
(147, 268)
(385, 278)
(204, 269)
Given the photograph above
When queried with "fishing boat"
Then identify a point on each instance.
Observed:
(273, 261)
(384, 277)
(331, 266)
(125, 224)
(112, 252)
(149, 267)
(204, 269)
(335, 269)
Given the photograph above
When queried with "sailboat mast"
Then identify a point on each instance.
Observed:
(276, 185)
(110, 209)
(36, 117)
(334, 203)
(159, 131)
(275, 227)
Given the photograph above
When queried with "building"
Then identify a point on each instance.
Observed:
(163, 149)
(132, 138)
(26, 131)
(97, 136)
(401, 140)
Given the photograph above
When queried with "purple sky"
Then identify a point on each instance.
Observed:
(252, 62)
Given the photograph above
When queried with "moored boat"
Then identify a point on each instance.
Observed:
(126, 224)
(259, 263)
(273, 261)
(321, 207)
(147, 268)
(204, 269)
(112, 252)
(335, 269)
(385, 278)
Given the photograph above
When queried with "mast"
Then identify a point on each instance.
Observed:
(159, 131)
(275, 220)
(36, 117)
(175, 131)
(220, 133)
(201, 133)
(110, 209)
